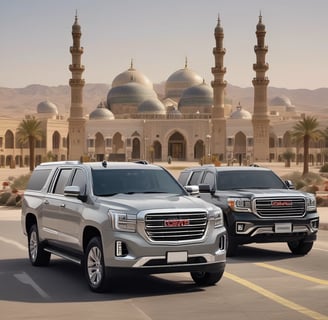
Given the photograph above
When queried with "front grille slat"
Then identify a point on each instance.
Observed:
(175, 226)
(280, 207)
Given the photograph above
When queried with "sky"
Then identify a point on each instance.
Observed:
(159, 35)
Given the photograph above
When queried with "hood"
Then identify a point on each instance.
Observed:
(262, 193)
(151, 201)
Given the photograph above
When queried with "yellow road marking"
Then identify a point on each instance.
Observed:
(274, 297)
(292, 273)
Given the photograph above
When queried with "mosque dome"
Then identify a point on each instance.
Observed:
(130, 75)
(173, 113)
(280, 101)
(198, 95)
(101, 113)
(47, 107)
(129, 95)
(240, 113)
(181, 80)
(152, 106)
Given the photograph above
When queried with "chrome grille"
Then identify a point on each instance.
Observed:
(175, 226)
(280, 207)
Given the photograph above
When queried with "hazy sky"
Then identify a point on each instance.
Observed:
(158, 35)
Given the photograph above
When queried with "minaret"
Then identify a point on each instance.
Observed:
(76, 121)
(260, 82)
(218, 133)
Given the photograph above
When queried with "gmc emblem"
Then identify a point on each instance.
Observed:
(285, 203)
(176, 223)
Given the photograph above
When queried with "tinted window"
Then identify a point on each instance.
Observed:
(109, 182)
(209, 179)
(248, 180)
(195, 178)
(79, 179)
(38, 179)
(62, 180)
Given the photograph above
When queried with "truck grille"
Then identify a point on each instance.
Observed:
(175, 226)
(280, 207)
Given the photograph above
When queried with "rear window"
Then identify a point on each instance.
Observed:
(38, 179)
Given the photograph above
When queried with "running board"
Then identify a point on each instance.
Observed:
(63, 255)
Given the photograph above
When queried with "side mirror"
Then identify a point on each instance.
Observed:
(74, 191)
(290, 184)
(204, 188)
(192, 190)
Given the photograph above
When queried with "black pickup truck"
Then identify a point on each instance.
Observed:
(257, 206)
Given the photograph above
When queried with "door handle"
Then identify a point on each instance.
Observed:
(62, 205)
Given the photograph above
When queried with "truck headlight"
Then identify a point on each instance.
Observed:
(311, 204)
(218, 218)
(123, 221)
(240, 204)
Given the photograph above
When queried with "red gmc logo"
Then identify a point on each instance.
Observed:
(176, 223)
(286, 203)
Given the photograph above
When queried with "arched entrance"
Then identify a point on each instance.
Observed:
(239, 149)
(135, 148)
(157, 151)
(100, 147)
(199, 150)
(177, 146)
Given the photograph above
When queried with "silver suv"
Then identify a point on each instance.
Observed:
(127, 216)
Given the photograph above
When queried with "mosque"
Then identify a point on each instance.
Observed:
(193, 121)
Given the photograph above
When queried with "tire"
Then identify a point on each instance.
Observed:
(300, 247)
(38, 256)
(232, 246)
(206, 278)
(94, 266)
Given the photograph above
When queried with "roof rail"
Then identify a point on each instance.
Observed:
(141, 161)
(59, 162)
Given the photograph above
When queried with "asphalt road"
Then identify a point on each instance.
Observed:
(264, 282)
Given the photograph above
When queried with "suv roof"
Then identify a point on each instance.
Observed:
(227, 168)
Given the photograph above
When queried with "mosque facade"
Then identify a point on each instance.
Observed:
(193, 121)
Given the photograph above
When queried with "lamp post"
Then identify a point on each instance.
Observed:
(208, 138)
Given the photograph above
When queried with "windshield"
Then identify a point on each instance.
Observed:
(248, 180)
(108, 182)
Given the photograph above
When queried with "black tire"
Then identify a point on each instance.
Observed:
(206, 278)
(232, 246)
(94, 266)
(300, 247)
(38, 256)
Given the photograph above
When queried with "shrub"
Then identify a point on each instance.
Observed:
(324, 168)
(20, 182)
(299, 181)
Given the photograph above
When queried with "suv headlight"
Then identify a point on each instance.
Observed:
(218, 218)
(311, 204)
(123, 221)
(240, 204)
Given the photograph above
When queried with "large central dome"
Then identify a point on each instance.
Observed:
(129, 75)
(181, 80)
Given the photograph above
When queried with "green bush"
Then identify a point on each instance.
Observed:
(304, 182)
(20, 182)
(324, 168)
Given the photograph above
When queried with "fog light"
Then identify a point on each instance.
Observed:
(118, 249)
(315, 224)
(240, 227)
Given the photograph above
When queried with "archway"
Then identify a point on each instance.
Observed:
(239, 148)
(157, 151)
(199, 150)
(177, 146)
(99, 147)
(135, 148)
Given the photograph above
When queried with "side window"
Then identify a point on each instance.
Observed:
(79, 179)
(209, 179)
(38, 179)
(195, 178)
(62, 180)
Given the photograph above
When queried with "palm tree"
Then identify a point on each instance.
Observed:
(306, 130)
(29, 130)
